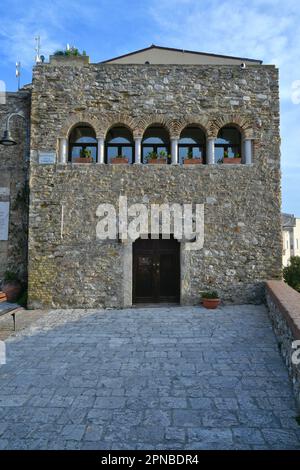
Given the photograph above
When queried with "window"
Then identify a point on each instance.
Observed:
(119, 143)
(192, 142)
(156, 139)
(82, 138)
(228, 143)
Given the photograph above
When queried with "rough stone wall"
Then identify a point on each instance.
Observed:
(285, 339)
(242, 244)
(14, 180)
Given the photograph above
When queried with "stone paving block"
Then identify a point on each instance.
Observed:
(110, 402)
(148, 378)
(247, 435)
(73, 432)
(93, 433)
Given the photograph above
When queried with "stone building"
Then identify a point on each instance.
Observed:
(181, 103)
(291, 237)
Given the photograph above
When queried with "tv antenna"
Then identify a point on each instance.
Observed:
(18, 73)
(38, 49)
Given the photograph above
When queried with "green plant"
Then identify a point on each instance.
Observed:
(162, 154)
(152, 156)
(85, 153)
(237, 155)
(71, 52)
(22, 300)
(291, 274)
(10, 276)
(226, 154)
(189, 155)
(210, 295)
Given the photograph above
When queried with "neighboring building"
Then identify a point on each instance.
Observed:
(157, 99)
(291, 237)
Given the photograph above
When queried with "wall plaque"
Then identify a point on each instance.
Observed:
(4, 191)
(4, 217)
(47, 158)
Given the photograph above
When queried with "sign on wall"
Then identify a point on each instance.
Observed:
(47, 158)
(4, 192)
(4, 217)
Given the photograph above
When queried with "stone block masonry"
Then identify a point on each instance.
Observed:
(242, 245)
(284, 310)
(14, 186)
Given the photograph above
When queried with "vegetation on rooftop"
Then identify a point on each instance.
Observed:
(70, 52)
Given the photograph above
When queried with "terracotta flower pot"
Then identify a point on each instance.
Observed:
(157, 161)
(119, 160)
(83, 160)
(236, 161)
(192, 161)
(12, 289)
(210, 303)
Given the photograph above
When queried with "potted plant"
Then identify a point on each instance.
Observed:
(69, 56)
(85, 156)
(210, 299)
(235, 159)
(190, 160)
(159, 159)
(11, 286)
(120, 159)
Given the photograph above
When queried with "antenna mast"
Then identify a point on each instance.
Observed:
(18, 73)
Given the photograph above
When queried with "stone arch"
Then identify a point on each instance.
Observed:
(196, 121)
(117, 120)
(143, 123)
(244, 124)
(76, 120)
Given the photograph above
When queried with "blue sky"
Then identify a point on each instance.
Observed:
(262, 29)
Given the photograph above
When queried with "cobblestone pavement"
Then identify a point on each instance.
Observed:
(149, 378)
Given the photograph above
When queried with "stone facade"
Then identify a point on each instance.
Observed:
(14, 185)
(68, 266)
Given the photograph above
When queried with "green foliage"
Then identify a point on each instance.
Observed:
(152, 156)
(71, 52)
(10, 276)
(162, 154)
(189, 155)
(291, 273)
(85, 153)
(210, 295)
(22, 300)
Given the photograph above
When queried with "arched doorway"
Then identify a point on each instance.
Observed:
(156, 271)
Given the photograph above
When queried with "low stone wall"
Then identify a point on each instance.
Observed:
(284, 310)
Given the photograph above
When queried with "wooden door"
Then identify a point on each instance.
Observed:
(156, 271)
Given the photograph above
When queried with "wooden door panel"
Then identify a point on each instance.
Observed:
(156, 271)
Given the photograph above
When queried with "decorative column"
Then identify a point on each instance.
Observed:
(63, 144)
(248, 152)
(100, 152)
(138, 150)
(210, 151)
(174, 151)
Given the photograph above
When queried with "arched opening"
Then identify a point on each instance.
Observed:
(192, 144)
(156, 141)
(82, 143)
(228, 143)
(119, 143)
